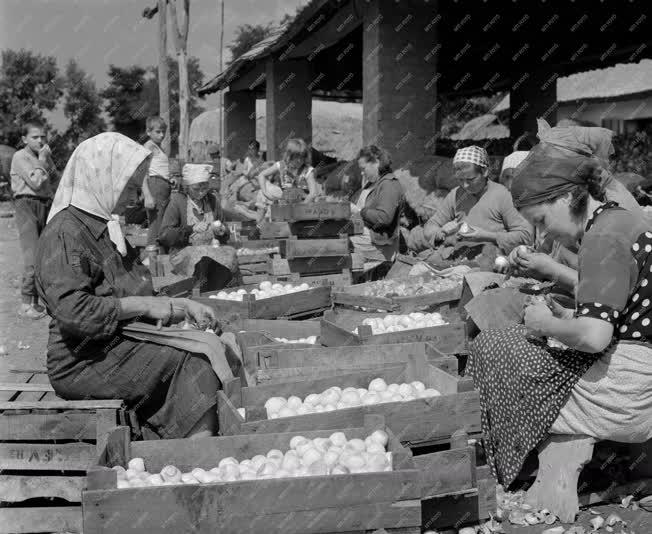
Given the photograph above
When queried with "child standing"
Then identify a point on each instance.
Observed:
(34, 180)
(158, 185)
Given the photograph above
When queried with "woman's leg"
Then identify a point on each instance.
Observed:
(170, 390)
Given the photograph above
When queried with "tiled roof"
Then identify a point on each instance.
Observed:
(617, 81)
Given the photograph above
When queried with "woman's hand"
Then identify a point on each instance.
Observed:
(160, 309)
(203, 316)
(537, 319)
(558, 310)
(200, 227)
(478, 234)
(535, 263)
(451, 227)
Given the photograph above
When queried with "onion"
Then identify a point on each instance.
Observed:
(338, 439)
(136, 464)
(377, 384)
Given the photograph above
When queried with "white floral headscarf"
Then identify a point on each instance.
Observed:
(95, 176)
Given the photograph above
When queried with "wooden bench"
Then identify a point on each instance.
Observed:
(561, 460)
(46, 446)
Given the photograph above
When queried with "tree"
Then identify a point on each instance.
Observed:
(126, 103)
(82, 105)
(29, 85)
(133, 94)
(246, 37)
(180, 33)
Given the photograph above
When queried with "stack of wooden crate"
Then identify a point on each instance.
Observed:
(46, 447)
(316, 238)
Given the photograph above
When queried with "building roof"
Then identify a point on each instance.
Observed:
(624, 79)
(480, 128)
(279, 37)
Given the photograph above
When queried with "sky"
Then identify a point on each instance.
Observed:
(101, 32)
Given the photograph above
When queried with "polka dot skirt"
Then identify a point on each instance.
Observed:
(523, 385)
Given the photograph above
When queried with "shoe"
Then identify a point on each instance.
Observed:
(30, 312)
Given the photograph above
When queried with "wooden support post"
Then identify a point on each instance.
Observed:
(561, 459)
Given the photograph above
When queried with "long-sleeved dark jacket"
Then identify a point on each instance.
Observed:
(382, 209)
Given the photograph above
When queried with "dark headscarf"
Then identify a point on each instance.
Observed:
(551, 169)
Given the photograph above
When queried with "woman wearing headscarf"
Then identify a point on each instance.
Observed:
(580, 145)
(93, 283)
(194, 216)
(485, 206)
(600, 385)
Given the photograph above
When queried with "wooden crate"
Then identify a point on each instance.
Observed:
(448, 338)
(352, 503)
(469, 506)
(341, 279)
(415, 422)
(46, 446)
(173, 285)
(314, 266)
(276, 364)
(292, 305)
(311, 211)
(252, 342)
(294, 248)
(354, 296)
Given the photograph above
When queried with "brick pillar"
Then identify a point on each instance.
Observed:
(533, 95)
(289, 104)
(239, 122)
(399, 75)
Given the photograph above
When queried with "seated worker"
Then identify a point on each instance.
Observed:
(189, 217)
(485, 206)
(293, 172)
(581, 145)
(379, 204)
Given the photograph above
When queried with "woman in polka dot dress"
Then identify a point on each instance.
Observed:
(602, 385)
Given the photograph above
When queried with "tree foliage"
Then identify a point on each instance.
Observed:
(132, 96)
(82, 106)
(29, 85)
(246, 37)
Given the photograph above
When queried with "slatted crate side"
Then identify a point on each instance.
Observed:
(277, 362)
(316, 298)
(278, 327)
(419, 421)
(448, 338)
(311, 211)
(464, 507)
(313, 248)
(21, 520)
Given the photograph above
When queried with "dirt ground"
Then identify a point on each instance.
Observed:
(24, 343)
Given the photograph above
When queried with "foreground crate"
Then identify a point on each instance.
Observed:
(276, 364)
(291, 305)
(46, 446)
(307, 505)
(448, 338)
(421, 421)
(355, 296)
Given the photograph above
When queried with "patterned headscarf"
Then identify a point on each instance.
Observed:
(95, 176)
(196, 173)
(472, 154)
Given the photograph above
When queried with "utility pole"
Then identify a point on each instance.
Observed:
(163, 75)
(180, 32)
(222, 145)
